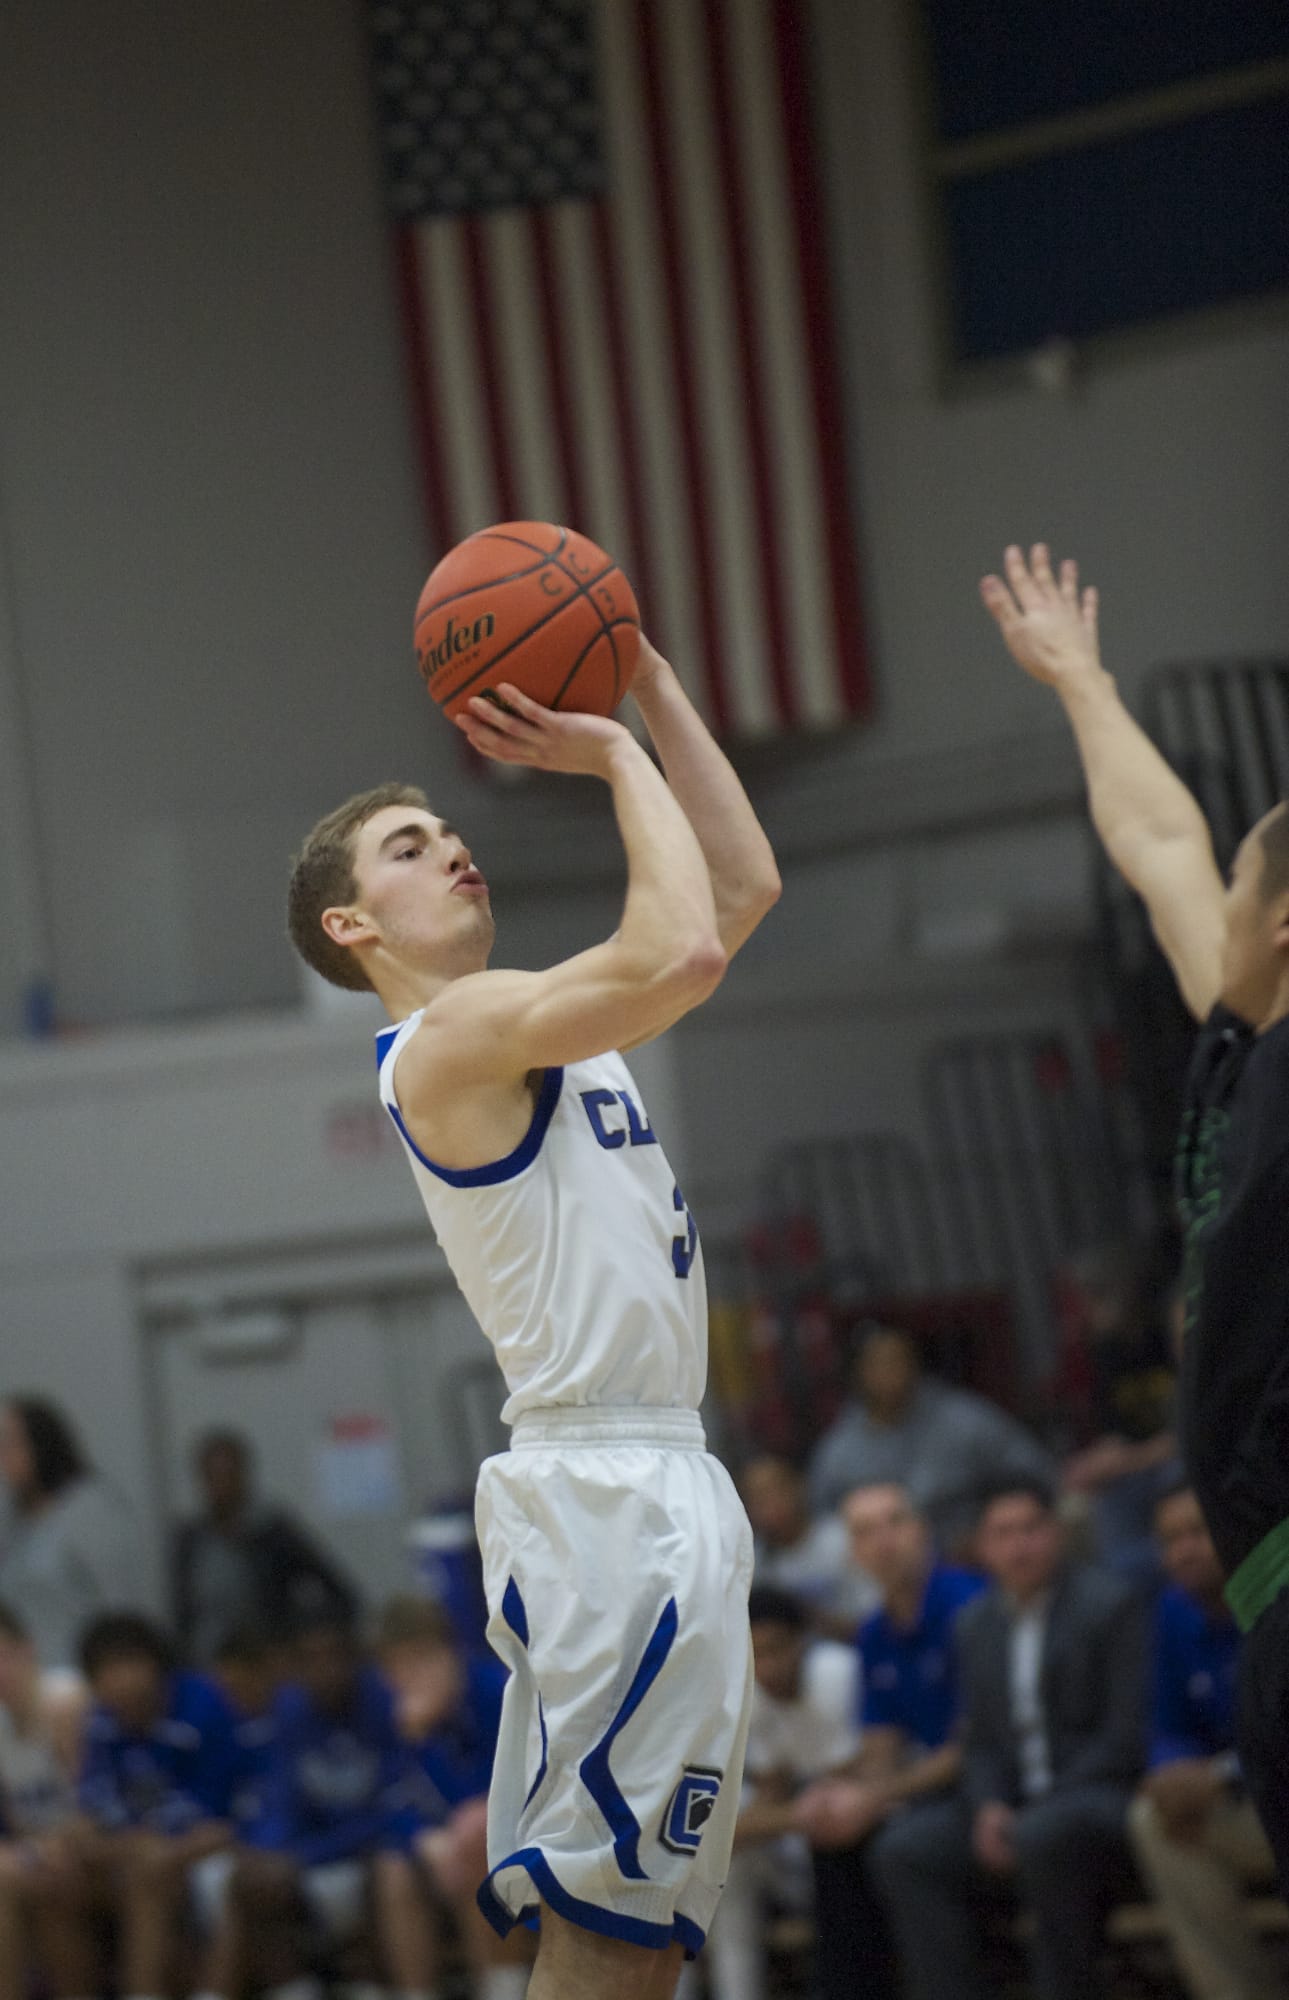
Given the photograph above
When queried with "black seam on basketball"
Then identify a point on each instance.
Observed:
(606, 633)
(490, 584)
(495, 535)
(608, 625)
(576, 668)
(583, 590)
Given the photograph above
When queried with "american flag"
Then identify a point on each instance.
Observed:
(616, 292)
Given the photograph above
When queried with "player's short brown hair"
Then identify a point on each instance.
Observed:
(414, 1621)
(322, 874)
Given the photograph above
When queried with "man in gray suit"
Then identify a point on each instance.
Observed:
(1054, 1684)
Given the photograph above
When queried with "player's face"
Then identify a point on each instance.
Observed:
(1186, 1547)
(418, 884)
(1257, 935)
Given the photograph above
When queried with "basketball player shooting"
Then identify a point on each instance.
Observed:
(1228, 946)
(616, 1554)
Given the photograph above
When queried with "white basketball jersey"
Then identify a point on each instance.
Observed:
(576, 1252)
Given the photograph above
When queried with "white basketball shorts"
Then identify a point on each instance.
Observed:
(617, 1559)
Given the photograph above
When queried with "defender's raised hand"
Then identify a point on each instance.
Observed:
(1050, 626)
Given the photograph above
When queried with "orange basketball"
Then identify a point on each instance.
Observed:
(532, 604)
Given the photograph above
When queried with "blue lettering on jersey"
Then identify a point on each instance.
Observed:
(637, 1131)
(685, 1246)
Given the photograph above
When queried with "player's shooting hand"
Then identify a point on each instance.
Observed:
(544, 739)
(649, 664)
(1049, 625)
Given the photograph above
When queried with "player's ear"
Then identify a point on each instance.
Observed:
(346, 925)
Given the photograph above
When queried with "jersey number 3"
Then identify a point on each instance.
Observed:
(684, 1247)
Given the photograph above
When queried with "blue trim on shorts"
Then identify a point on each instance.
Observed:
(497, 1170)
(594, 1768)
(515, 1613)
(536, 1785)
(588, 1916)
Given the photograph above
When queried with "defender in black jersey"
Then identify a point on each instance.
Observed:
(1228, 946)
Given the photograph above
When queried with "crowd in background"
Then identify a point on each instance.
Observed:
(991, 1677)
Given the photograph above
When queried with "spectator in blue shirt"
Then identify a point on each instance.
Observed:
(330, 1804)
(448, 1704)
(910, 1691)
(155, 1786)
(1198, 1840)
(245, 1669)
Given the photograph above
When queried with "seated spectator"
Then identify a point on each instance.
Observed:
(309, 1881)
(943, 1445)
(910, 1753)
(1053, 1697)
(69, 1550)
(1198, 1840)
(448, 1704)
(246, 1670)
(806, 1554)
(155, 1789)
(1132, 1392)
(244, 1563)
(39, 1756)
(804, 1728)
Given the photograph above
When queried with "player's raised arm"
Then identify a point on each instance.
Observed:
(1147, 820)
(665, 957)
(740, 860)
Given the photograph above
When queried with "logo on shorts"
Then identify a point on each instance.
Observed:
(692, 1805)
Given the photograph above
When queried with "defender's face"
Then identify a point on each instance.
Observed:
(1254, 954)
(418, 885)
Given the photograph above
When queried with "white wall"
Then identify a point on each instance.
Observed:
(211, 514)
(207, 488)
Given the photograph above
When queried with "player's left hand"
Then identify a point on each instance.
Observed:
(649, 664)
(544, 739)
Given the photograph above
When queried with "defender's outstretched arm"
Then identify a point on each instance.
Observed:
(1148, 822)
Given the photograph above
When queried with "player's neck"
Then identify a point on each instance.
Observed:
(404, 988)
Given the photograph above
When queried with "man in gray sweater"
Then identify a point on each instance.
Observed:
(943, 1445)
(1054, 1687)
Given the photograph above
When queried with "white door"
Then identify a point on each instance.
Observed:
(371, 1409)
